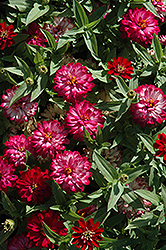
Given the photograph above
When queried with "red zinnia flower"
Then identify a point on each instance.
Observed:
(120, 67)
(84, 212)
(32, 185)
(6, 34)
(160, 144)
(87, 234)
(35, 227)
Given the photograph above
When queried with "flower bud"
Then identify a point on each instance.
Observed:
(42, 69)
(131, 94)
(2, 70)
(29, 81)
(8, 225)
(124, 178)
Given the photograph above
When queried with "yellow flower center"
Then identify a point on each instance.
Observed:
(34, 186)
(120, 68)
(3, 34)
(87, 235)
(142, 24)
(150, 102)
(21, 149)
(73, 80)
(48, 135)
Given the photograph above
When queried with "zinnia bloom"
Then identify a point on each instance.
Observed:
(21, 110)
(6, 174)
(20, 242)
(70, 171)
(160, 7)
(120, 67)
(162, 40)
(83, 115)
(73, 81)
(36, 233)
(151, 107)
(139, 25)
(6, 34)
(35, 37)
(32, 185)
(84, 212)
(16, 152)
(160, 144)
(49, 138)
(87, 234)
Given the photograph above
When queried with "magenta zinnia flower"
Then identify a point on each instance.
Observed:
(20, 242)
(32, 185)
(160, 6)
(70, 171)
(21, 110)
(6, 35)
(36, 233)
(35, 37)
(139, 25)
(83, 115)
(49, 138)
(73, 81)
(151, 107)
(120, 67)
(160, 144)
(87, 235)
(16, 152)
(7, 177)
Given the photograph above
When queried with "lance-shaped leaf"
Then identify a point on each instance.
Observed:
(24, 68)
(157, 48)
(163, 194)
(23, 90)
(52, 236)
(116, 192)
(125, 105)
(38, 59)
(50, 39)
(147, 195)
(7, 204)
(148, 142)
(37, 11)
(71, 216)
(41, 85)
(122, 86)
(91, 42)
(58, 193)
(79, 14)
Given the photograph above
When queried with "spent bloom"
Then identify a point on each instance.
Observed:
(73, 81)
(21, 110)
(36, 37)
(70, 171)
(120, 67)
(6, 35)
(151, 107)
(87, 234)
(32, 186)
(83, 115)
(160, 6)
(16, 151)
(139, 25)
(7, 176)
(49, 138)
(84, 212)
(160, 144)
(113, 156)
(20, 242)
(35, 230)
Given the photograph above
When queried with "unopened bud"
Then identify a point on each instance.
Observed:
(8, 225)
(2, 70)
(124, 178)
(131, 94)
(29, 81)
(45, 2)
(42, 69)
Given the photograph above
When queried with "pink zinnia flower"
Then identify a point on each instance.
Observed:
(6, 35)
(32, 185)
(21, 110)
(35, 37)
(36, 233)
(160, 6)
(73, 81)
(60, 27)
(151, 107)
(20, 242)
(70, 171)
(139, 25)
(6, 174)
(162, 40)
(123, 207)
(16, 152)
(83, 115)
(49, 138)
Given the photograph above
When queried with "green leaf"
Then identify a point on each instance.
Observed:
(20, 92)
(116, 192)
(157, 48)
(99, 179)
(7, 204)
(147, 141)
(122, 86)
(91, 42)
(24, 68)
(110, 106)
(98, 13)
(38, 59)
(144, 220)
(50, 39)
(99, 135)
(125, 105)
(58, 193)
(80, 14)
(14, 70)
(52, 236)
(41, 85)
(103, 165)
(37, 11)
(143, 53)
(71, 216)
(163, 194)
(150, 6)
(147, 195)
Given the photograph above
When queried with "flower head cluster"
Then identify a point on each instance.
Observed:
(139, 25)
(32, 185)
(70, 171)
(151, 107)
(35, 228)
(20, 242)
(73, 81)
(6, 35)
(160, 6)
(7, 176)
(49, 138)
(120, 67)
(21, 110)
(87, 235)
(160, 144)
(35, 37)
(83, 115)
(60, 27)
